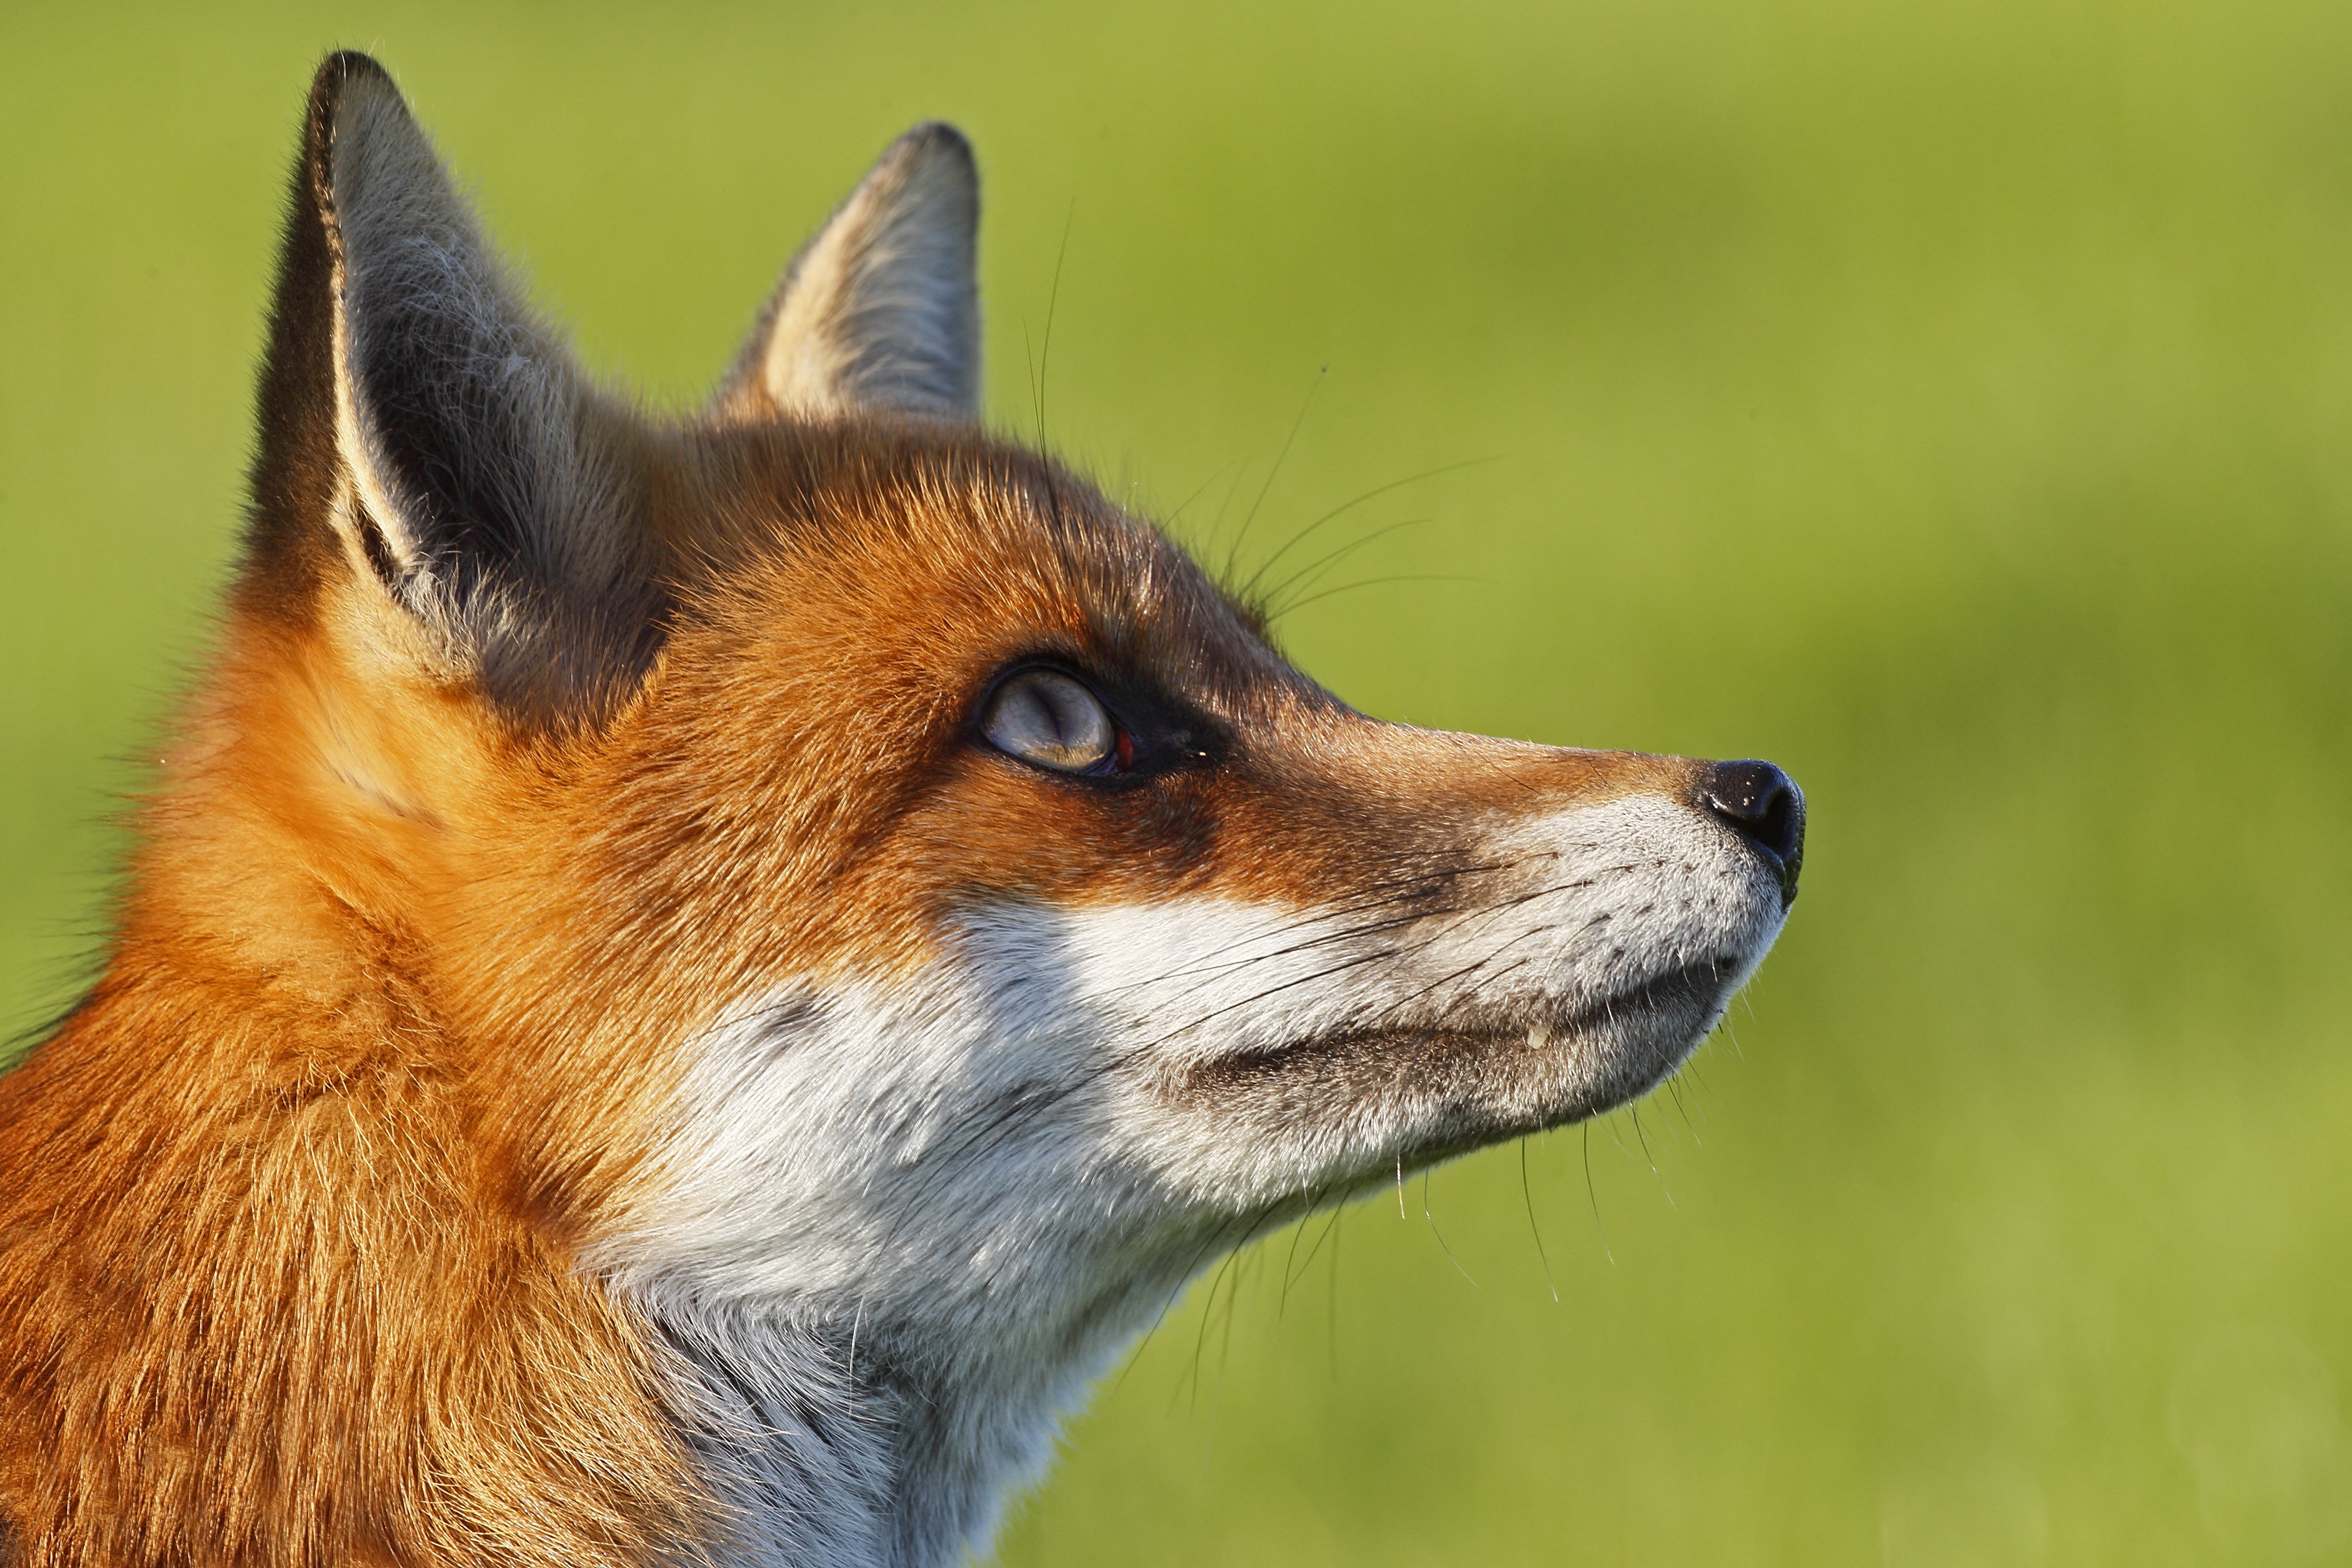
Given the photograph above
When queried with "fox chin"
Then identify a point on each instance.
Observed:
(686, 982)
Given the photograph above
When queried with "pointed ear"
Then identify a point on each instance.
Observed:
(421, 428)
(881, 309)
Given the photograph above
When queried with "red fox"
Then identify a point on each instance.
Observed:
(687, 985)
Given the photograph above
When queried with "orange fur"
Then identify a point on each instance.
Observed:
(293, 1208)
(290, 1260)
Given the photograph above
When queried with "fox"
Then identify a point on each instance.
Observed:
(687, 983)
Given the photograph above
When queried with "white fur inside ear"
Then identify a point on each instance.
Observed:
(485, 484)
(416, 286)
(882, 309)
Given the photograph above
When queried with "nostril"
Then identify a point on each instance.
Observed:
(1764, 806)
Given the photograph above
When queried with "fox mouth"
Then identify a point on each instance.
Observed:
(1481, 1074)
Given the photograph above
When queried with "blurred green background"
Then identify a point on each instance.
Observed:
(1952, 404)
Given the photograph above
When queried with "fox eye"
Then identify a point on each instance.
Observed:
(1042, 716)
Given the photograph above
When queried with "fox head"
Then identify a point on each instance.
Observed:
(882, 906)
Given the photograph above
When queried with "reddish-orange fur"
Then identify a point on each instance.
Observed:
(388, 1012)
(294, 1203)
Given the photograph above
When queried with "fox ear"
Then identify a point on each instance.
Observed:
(418, 423)
(881, 309)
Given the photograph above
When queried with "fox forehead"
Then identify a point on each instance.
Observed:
(937, 553)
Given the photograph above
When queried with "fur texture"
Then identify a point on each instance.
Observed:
(603, 1061)
(881, 312)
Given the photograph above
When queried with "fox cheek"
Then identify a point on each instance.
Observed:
(1175, 1056)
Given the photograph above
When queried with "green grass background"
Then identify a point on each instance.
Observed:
(1953, 404)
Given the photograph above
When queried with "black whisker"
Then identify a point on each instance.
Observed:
(1052, 300)
(1170, 520)
(1233, 553)
(1249, 589)
(1308, 575)
(1377, 582)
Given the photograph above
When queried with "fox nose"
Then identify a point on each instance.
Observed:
(1764, 806)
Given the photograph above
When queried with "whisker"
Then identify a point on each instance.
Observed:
(1528, 1196)
(1170, 520)
(1431, 1220)
(1052, 300)
(1298, 1234)
(1377, 582)
(1309, 575)
(1330, 1228)
(1250, 588)
(1215, 961)
(1593, 1194)
(1233, 556)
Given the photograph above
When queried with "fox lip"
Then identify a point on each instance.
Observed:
(1669, 1012)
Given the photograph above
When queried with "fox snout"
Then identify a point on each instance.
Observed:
(1315, 953)
(1550, 939)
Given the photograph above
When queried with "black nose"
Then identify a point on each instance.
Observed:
(1763, 806)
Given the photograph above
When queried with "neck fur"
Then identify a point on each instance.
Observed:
(829, 1446)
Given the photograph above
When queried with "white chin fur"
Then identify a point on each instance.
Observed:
(991, 1174)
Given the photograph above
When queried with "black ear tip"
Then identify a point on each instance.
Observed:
(348, 68)
(348, 86)
(934, 139)
(343, 77)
